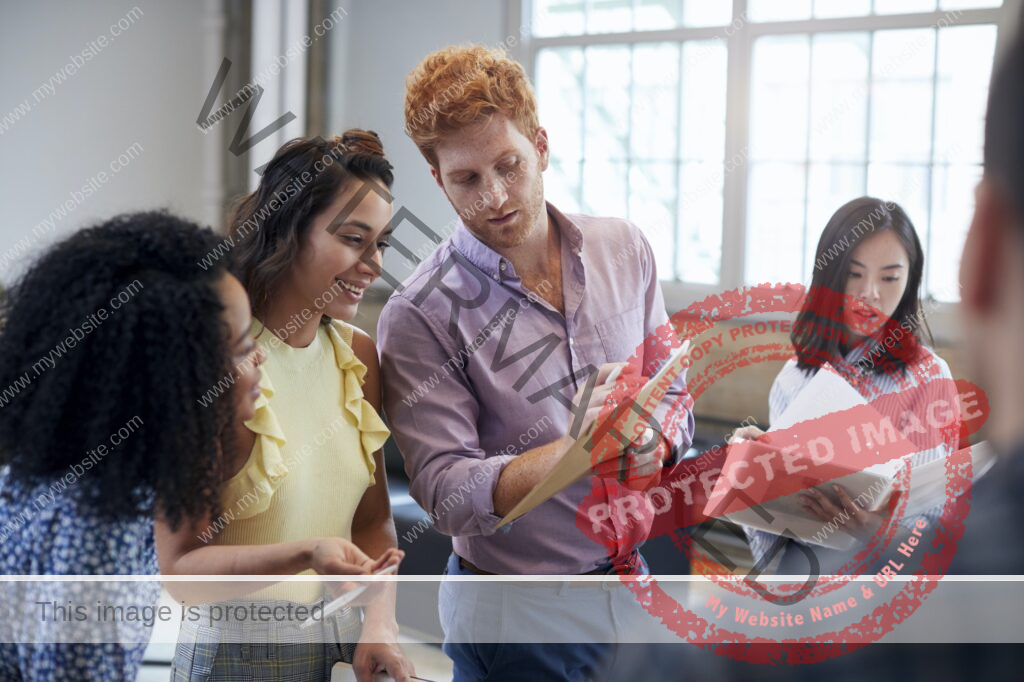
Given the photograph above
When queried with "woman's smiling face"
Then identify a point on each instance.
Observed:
(877, 281)
(328, 274)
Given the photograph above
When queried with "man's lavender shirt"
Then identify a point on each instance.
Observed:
(458, 423)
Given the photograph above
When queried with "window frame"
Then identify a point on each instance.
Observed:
(739, 44)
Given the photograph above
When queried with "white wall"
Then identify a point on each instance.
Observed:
(382, 41)
(146, 86)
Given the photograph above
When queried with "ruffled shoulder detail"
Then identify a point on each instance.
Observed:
(265, 469)
(373, 433)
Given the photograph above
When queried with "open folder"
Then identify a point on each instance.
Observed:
(576, 463)
(825, 394)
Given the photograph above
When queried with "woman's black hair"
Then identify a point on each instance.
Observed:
(819, 335)
(116, 334)
(303, 179)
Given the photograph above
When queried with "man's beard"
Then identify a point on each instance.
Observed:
(517, 232)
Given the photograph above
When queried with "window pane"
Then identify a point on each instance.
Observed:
(639, 130)
(654, 124)
(907, 186)
(700, 222)
(707, 12)
(705, 69)
(779, 112)
(774, 10)
(904, 55)
(652, 198)
(824, 9)
(560, 99)
(605, 188)
(775, 223)
(953, 209)
(562, 184)
(965, 66)
(606, 119)
(557, 17)
(901, 111)
(653, 15)
(901, 122)
(969, 4)
(610, 16)
(839, 96)
(829, 187)
(903, 6)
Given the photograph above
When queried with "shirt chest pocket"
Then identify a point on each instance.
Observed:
(622, 335)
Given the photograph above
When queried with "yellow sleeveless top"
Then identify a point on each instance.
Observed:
(313, 456)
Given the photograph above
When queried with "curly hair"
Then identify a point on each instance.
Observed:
(83, 362)
(303, 179)
(458, 86)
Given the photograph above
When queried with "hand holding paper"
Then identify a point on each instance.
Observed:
(832, 486)
(579, 460)
(860, 522)
(354, 595)
(611, 378)
(367, 591)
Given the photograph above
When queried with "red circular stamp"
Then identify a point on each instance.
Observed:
(851, 607)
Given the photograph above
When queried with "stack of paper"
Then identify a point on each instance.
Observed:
(827, 393)
(928, 481)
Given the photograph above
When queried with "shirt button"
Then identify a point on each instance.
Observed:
(497, 278)
(501, 266)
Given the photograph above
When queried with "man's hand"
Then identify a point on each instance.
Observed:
(636, 463)
(640, 463)
(523, 473)
(628, 377)
(373, 657)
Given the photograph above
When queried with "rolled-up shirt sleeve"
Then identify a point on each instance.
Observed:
(675, 411)
(433, 411)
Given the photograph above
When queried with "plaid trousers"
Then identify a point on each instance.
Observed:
(233, 651)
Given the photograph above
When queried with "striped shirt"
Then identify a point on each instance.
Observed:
(889, 394)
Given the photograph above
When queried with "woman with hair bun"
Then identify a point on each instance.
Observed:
(110, 342)
(314, 478)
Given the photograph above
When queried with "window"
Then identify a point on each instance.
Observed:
(275, 27)
(749, 122)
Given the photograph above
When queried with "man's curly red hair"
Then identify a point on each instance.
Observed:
(461, 85)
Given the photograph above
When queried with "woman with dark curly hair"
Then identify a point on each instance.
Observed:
(315, 477)
(109, 345)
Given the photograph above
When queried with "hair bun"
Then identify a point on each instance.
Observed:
(358, 141)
